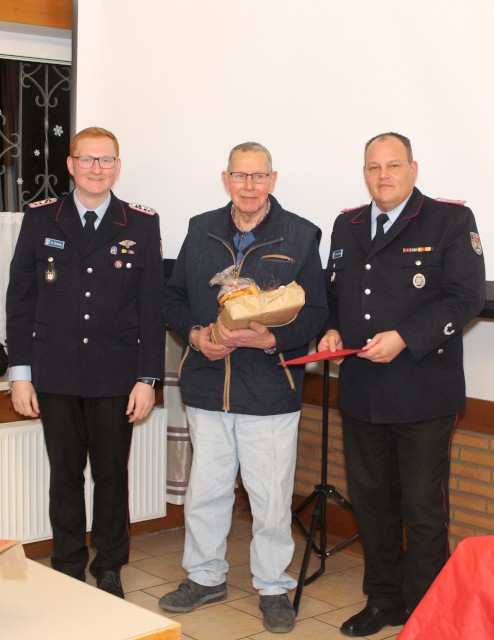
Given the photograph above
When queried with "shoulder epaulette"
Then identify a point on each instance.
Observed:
(361, 206)
(459, 203)
(149, 211)
(42, 203)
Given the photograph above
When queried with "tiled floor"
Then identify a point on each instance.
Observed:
(155, 568)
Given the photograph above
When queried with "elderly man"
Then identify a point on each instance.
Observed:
(242, 407)
(85, 335)
(405, 275)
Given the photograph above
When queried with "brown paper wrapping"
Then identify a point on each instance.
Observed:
(271, 308)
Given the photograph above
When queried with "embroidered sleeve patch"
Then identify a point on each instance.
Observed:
(476, 244)
(149, 211)
(459, 203)
(42, 203)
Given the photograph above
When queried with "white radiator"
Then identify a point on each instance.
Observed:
(25, 471)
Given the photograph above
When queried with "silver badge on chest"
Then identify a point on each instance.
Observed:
(418, 280)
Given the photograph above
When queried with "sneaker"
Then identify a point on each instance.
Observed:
(278, 615)
(110, 582)
(191, 595)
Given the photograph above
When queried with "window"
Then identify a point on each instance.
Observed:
(34, 132)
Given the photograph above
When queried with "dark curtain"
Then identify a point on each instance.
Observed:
(9, 132)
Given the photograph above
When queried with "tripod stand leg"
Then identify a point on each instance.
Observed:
(321, 492)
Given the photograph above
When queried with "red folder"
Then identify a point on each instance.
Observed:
(322, 355)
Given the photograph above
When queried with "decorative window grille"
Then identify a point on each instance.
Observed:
(34, 132)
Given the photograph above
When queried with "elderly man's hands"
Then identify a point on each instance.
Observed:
(257, 336)
(201, 340)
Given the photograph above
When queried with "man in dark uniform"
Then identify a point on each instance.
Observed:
(85, 335)
(405, 275)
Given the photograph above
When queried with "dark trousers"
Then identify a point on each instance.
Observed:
(73, 428)
(398, 475)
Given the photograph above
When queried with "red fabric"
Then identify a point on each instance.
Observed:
(460, 603)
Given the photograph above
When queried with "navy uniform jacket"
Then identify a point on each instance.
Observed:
(426, 280)
(88, 321)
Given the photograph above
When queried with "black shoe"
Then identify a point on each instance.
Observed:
(110, 582)
(371, 620)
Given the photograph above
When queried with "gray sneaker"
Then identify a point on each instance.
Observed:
(278, 615)
(191, 595)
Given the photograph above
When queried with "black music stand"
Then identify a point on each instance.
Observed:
(319, 497)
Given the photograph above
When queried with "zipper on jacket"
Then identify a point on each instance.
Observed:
(181, 363)
(257, 246)
(288, 372)
(278, 256)
(236, 273)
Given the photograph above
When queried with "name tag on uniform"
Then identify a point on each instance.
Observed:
(56, 244)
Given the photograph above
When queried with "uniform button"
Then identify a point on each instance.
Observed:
(440, 351)
(88, 294)
(368, 340)
(86, 340)
(367, 292)
(34, 334)
(90, 270)
(368, 267)
(129, 265)
(87, 316)
(367, 316)
(418, 262)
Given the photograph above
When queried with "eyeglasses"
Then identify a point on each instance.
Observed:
(257, 178)
(86, 162)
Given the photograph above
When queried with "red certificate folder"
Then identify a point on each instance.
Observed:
(322, 355)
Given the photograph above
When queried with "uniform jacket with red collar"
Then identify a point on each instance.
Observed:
(87, 319)
(426, 280)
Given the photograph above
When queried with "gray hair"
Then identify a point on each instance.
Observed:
(250, 146)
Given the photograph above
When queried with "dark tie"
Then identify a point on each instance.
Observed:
(381, 220)
(88, 232)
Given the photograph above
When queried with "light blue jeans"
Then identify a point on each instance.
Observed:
(266, 448)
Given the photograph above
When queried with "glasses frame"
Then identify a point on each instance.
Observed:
(249, 175)
(78, 158)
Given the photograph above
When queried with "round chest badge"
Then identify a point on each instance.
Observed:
(118, 264)
(418, 280)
